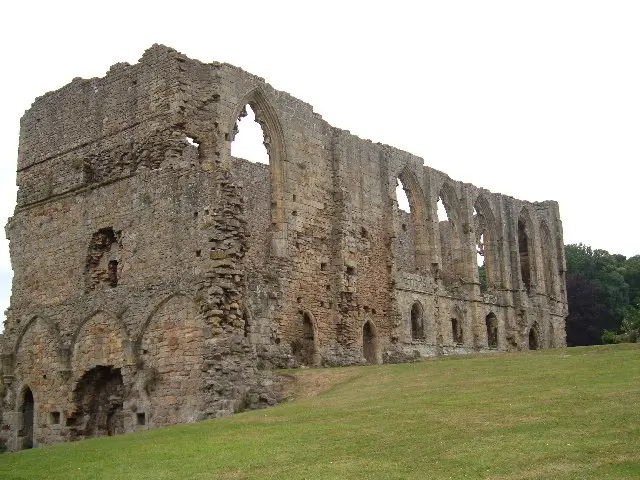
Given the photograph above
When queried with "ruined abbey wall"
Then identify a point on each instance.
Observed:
(157, 278)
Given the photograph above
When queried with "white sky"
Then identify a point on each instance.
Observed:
(538, 100)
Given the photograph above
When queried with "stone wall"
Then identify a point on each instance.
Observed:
(156, 277)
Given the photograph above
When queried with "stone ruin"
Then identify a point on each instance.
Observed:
(157, 278)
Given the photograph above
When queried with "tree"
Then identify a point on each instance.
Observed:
(597, 292)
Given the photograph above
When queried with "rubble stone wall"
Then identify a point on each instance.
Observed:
(157, 278)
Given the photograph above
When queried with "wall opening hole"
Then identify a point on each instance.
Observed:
(249, 139)
(54, 418)
(417, 321)
(523, 249)
(141, 418)
(198, 253)
(190, 141)
(456, 331)
(299, 300)
(401, 197)
(323, 266)
(351, 271)
(102, 259)
(442, 211)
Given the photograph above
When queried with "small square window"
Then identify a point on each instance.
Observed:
(54, 418)
(141, 418)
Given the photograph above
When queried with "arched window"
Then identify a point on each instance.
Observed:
(548, 258)
(417, 321)
(369, 342)
(524, 251)
(265, 145)
(248, 141)
(28, 419)
(456, 331)
(409, 218)
(492, 330)
(448, 214)
(486, 247)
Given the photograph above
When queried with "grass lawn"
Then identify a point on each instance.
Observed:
(554, 414)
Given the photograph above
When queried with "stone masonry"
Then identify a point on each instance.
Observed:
(157, 278)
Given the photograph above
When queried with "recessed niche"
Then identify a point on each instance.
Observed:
(54, 418)
(141, 418)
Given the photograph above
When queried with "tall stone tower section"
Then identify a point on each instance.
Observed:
(158, 279)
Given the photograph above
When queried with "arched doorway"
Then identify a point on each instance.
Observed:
(305, 347)
(534, 338)
(369, 342)
(28, 413)
(492, 330)
(417, 321)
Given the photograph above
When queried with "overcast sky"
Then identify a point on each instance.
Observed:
(538, 100)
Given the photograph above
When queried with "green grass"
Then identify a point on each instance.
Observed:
(553, 414)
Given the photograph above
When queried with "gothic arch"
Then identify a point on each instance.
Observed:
(416, 197)
(117, 321)
(145, 324)
(548, 259)
(452, 258)
(100, 339)
(52, 329)
(171, 357)
(486, 228)
(526, 248)
(274, 142)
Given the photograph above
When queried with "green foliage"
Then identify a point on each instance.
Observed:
(552, 414)
(599, 289)
(482, 277)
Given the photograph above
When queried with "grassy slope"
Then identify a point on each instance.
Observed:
(554, 414)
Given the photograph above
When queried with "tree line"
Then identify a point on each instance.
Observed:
(603, 292)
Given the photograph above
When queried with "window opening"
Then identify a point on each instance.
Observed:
(456, 331)
(492, 330)
(417, 323)
(141, 418)
(401, 197)
(443, 216)
(523, 250)
(248, 142)
(54, 418)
